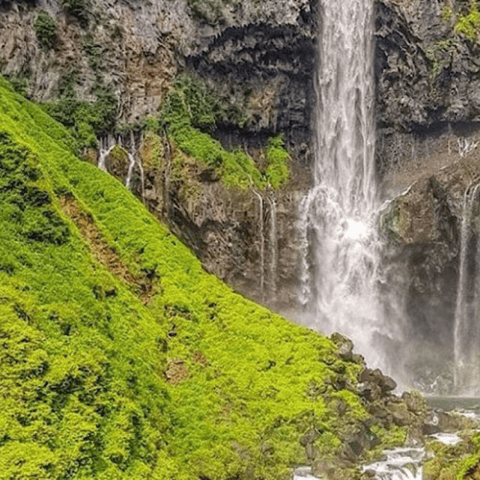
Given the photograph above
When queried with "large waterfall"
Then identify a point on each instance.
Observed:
(339, 215)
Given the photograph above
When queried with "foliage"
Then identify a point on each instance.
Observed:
(190, 107)
(468, 24)
(45, 29)
(446, 13)
(83, 390)
(87, 120)
(19, 84)
(277, 172)
(77, 8)
(453, 461)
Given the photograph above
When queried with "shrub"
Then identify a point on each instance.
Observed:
(277, 172)
(86, 119)
(190, 111)
(468, 24)
(46, 29)
(77, 8)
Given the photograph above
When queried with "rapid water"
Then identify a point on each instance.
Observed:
(338, 217)
(397, 464)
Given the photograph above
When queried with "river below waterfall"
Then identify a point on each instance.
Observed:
(405, 463)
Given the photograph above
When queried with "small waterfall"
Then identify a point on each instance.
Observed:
(132, 159)
(338, 217)
(261, 233)
(140, 166)
(107, 144)
(399, 464)
(467, 311)
(273, 242)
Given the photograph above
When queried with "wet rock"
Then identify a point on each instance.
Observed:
(309, 437)
(431, 424)
(358, 442)
(369, 377)
(369, 390)
(401, 416)
(325, 469)
(415, 402)
(345, 346)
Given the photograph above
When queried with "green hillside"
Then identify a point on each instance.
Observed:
(120, 357)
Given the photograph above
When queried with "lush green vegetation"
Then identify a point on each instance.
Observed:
(86, 120)
(77, 8)
(99, 380)
(46, 29)
(189, 111)
(454, 462)
(469, 24)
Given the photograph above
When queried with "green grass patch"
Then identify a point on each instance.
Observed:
(468, 24)
(189, 111)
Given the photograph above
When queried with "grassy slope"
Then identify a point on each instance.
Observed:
(82, 386)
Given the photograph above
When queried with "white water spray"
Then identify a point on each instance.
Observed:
(467, 311)
(273, 241)
(338, 217)
(107, 144)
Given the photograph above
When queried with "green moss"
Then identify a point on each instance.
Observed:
(85, 358)
(86, 120)
(45, 29)
(190, 108)
(277, 172)
(446, 13)
(453, 462)
(468, 24)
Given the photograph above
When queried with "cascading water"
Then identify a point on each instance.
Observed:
(467, 311)
(338, 217)
(132, 159)
(273, 246)
(261, 234)
(107, 144)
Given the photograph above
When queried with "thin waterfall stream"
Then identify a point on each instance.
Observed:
(338, 216)
(261, 235)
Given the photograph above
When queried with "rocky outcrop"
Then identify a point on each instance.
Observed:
(427, 77)
(257, 58)
(424, 226)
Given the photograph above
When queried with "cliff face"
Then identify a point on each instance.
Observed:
(138, 47)
(428, 109)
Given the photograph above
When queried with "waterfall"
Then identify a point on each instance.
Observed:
(338, 217)
(132, 159)
(106, 146)
(467, 311)
(262, 244)
(273, 241)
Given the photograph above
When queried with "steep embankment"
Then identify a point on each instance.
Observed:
(101, 67)
(122, 358)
